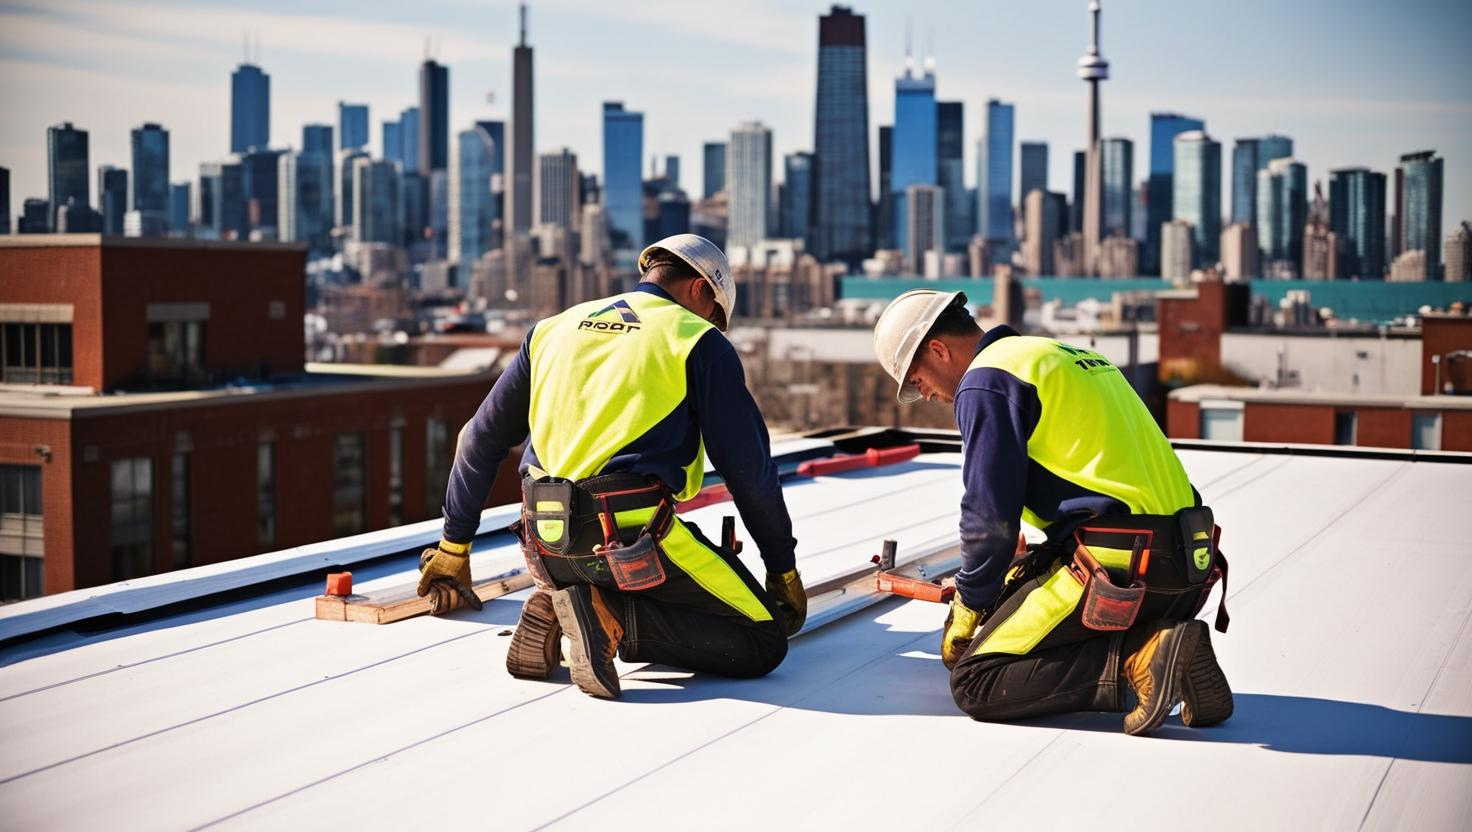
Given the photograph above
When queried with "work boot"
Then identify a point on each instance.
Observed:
(1207, 696)
(1154, 671)
(594, 632)
(536, 646)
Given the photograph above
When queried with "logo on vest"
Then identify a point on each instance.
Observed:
(629, 322)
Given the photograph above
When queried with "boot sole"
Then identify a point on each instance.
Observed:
(579, 662)
(1208, 696)
(536, 645)
(1180, 649)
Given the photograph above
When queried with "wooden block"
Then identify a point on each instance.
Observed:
(401, 602)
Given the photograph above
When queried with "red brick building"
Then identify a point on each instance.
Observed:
(156, 413)
(1249, 414)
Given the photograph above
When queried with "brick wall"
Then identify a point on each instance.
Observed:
(21, 443)
(62, 274)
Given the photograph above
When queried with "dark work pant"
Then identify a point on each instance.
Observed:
(679, 623)
(1071, 669)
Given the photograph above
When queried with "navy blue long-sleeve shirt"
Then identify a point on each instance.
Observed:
(717, 408)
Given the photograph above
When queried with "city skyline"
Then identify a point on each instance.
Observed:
(1346, 113)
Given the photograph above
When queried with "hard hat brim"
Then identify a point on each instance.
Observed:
(915, 336)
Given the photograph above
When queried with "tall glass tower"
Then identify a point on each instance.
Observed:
(994, 166)
(1357, 215)
(840, 222)
(1420, 202)
(1032, 168)
(66, 167)
(150, 146)
(950, 126)
(474, 213)
(797, 196)
(1118, 174)
(521, 143)
(915, 142)
(434, 116)
(623, 186)
(1197, 192)
(1282, 210)
(352, 125)
(748, 184)
(250, 108)
(1164, 127)
(713, 168)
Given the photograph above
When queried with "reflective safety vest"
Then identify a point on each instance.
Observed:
(1093, 430)
(604, 373)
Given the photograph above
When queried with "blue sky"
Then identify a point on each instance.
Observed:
(1353, 82)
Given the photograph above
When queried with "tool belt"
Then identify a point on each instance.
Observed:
(1168, 553)
(578, 519)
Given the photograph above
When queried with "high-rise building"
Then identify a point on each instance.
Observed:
(317, 138)
(179, 197)
(352, 126)
(408, 149)
(1164, 127)
(393, 142)
(262, 181)
(222, 214)
(1092, 68)
(1197, 192)
(713, 168)
(150, 151)
(925, 223)
(1042, 212)
(884, 212)
(1177, 249)
(66, 168)
(521, 141)
(748, 184)
(994, 174)
(1076, 206)
(1248, 157)
(950, 120)
(250, 108)
(914, 141)
(376, 202)
(623, 187)
(1457, 254)
(1273, 146)
(112, 198)
(558, 184)
(841, 216)
(343, 197)
(1118, 173)
(475, 180)
(4, 200)
(305, 199)
(434, 116)
(1282, 210)
(1357, 216)
(796, 208)
(35, 217)
(1419, 200)
(1239, 250)
(1032, 168)
(672, 171)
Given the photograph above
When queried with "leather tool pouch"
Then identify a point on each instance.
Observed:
(639, 565)
(547, 509)
(1197, 530)
(1106, 606)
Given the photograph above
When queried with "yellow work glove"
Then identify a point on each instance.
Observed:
(961, 625)
(792, 599)
(444, 569)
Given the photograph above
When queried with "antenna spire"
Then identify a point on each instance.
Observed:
(523, 24)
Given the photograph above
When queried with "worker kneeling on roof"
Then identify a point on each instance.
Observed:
(618, 401)
(1100, 617)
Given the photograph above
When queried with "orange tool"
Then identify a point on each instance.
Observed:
(886, 580)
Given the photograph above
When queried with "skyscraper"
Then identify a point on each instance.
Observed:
(1197, 192)
(1118, 160)
(558, 184)
(994, 175)
(1092, 68)
(317, 138)
(434, 116)
(521, 143)
(672, 170)
(408, 149)
(951, 171)
(1273, 146)
(222, 214)
(376, 202)
(112, 198)
(250, 108)
(841, 214)
(748, 184)
(915, 142)
(1248, 157)
(1282, 209)
(305, 196)
(1164, 127)
(1041, 212)
(4, 200)
(66, 168)
(713, 168)
(343, 197)
(1032, 168)
(623, 186)
(352, 126)
(797, 196)
(179, 199)
(476, 169)
(1420, 214)
(150, 151)
(1357, 216)
(1076, 206)
(925, 225)
(884, 212)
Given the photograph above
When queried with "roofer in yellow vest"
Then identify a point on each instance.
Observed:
(1101, 617)
(618, 401)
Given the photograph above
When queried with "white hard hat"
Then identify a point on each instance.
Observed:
(706, 259)
(902, 327)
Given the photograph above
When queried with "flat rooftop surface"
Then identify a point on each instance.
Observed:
(1350, 653)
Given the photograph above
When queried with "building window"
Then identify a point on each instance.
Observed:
(1346, 423)
(36, 353)
(1222, 423)
(179, 511)
(266, 495)
(347, 483)
(22, 533)
(1426, 431)
(176, 351)
(438, 458)
(396, 476)
(132, 518)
